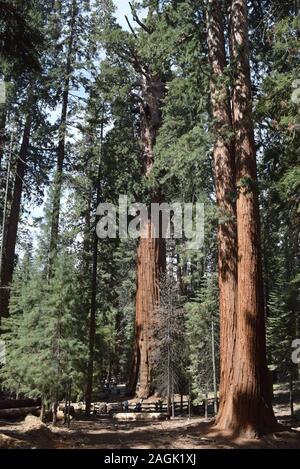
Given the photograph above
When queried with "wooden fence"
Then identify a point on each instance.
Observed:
(180, 407)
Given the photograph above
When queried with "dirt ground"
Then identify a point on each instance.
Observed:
(105, 434)
(180, 433)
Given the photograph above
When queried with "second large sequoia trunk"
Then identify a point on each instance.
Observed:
(225, 188)
(248, 408)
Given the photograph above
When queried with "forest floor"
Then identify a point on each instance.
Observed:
(180, 433)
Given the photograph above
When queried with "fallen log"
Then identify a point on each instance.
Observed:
(114, 407)
(10, 414)
(19, 403)
(138, 416)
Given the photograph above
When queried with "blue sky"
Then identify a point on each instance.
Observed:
(123, 9)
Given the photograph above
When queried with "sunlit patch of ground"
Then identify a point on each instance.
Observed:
(104, 433)
(180, 433)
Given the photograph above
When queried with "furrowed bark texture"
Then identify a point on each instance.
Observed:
(151, 251)
(225, 190)
(248, 409)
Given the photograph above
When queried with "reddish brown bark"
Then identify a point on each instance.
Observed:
(248, 409)
(13, 221)
(151, 251)
(149, 268)
(225, 190)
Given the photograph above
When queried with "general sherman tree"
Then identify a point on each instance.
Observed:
(248, 409)
(149, 90)
(151, 250)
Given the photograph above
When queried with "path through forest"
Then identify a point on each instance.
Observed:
(104, 434)
(180, 433)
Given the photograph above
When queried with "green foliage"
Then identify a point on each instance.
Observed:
(202, 326)
(20, 38)
(284, 315)
(169, 331)
(42, 335)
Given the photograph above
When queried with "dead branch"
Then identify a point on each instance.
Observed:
(138, 21)
(130, 27)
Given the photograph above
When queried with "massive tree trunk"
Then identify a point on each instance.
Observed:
(57, 185)
(151, 251)
(7, 265)
(248, 409)
(225, 193)
(150, 264)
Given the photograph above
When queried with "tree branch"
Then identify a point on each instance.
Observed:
(130, 27)
(137, 20)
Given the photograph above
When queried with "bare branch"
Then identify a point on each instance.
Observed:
(138, 21)
(130, 27)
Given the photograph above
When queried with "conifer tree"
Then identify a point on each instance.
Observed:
(203, 339)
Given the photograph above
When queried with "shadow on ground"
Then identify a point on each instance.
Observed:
(106, 434)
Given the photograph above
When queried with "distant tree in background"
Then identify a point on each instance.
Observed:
(170, 356)
(202, 327)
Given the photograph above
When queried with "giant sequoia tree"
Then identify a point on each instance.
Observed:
(225, 191)
(248, 407)
(151, 250)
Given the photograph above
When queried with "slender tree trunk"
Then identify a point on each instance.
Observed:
(225, 193)
(291, 395)
(57, 185)
(2, 132)
(189, 404)
(4, 221)
(151, 251)
(2, 179)
(69, 404)
(8, 259)
(169, 368)
(181, 404)
(66, 405)
(206, 406)
(214, 366)
(43, 412)
(248, 408)
(173, 398)
(93, 309)
(54, 413)
(92, 328)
